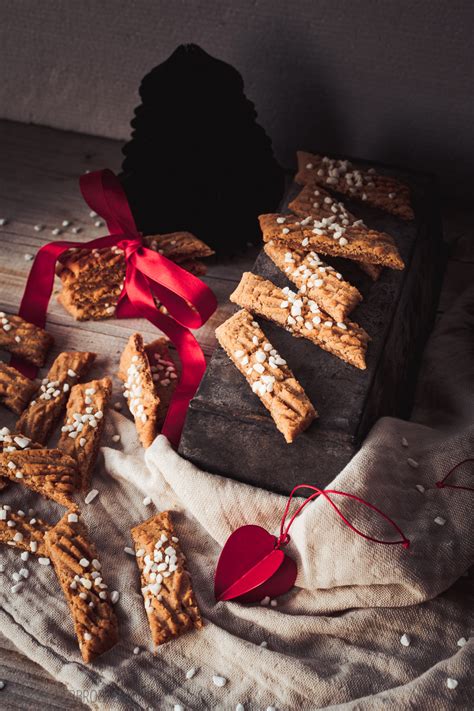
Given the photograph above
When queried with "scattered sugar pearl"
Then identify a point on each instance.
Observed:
(28, 257)
(190, 673)
(420, 488)
(178, 707)
(91, 496)
(405, 640)
(281, 220)
(114, 596)
(38, 228)
(265, 600)
(92, 213)
(2, 684)
(16, 588)
(461, 642)
(24, 556)
(84, 562)
(76, 230)
(117, 406)
(99, 223)
(219, 680)
(129, 551)
(440, 521)
(3, 221)
(413, 463)
(116, 438)
(136, 650)
(273, 603)
(264, 644)
(147, 501)
(270, 708)
(240, 707)
(56, 231)
(404, 442)
(451, 683)
(285, 231)
(391, 195)
(73, 518)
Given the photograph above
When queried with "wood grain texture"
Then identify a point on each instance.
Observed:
(38, 184)
(227, 430)
(39, 173)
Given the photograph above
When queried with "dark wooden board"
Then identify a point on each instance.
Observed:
(228, 431)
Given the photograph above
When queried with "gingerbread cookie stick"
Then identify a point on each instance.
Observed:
(49, 472)
(79, 572)
(315, 279)
(21, 531)
(163, 372)
(302, 317)
(178, 246)
(319, 204)
(82, 430)
(24, 339)
(166, 585)
(139, 389)
(39, 418)
(12, 443)
(267, 373)
(363, 184)
(329, 237)
(15, 390)
(16, 442)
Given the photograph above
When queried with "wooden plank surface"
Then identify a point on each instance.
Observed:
(39, 172)
(228, 431)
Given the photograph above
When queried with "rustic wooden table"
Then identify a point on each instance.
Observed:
(39, 171)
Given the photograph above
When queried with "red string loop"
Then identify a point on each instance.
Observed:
(188, 300)
(284, 537)
(441, 484)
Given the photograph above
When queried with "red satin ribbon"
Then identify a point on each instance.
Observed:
(187, 299)
(284, 536)
(442, 484)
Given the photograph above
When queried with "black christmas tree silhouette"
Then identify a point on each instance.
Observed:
(197, 159)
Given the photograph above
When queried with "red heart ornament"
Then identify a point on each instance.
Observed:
(251, 567)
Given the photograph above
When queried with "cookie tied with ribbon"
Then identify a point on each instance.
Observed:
(252, 564)
(149, 277)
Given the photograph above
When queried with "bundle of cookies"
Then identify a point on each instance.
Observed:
(318, 306)
(92, 280)
(59, 473)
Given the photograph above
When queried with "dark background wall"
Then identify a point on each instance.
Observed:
(383, 79)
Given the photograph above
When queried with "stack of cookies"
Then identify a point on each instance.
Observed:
(318, 304)
(92, 280)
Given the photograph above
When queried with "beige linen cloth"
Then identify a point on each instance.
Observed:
(334, 640)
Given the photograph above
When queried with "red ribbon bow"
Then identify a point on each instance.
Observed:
(187, 299)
